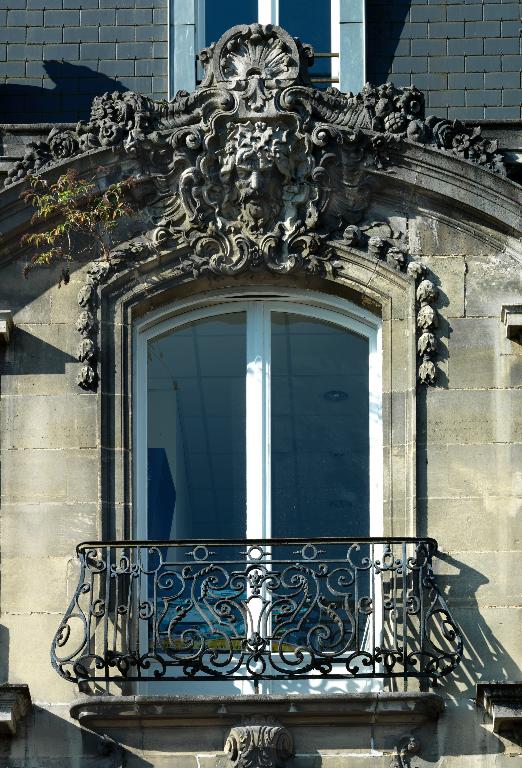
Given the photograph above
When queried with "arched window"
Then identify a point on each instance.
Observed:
(259, 416)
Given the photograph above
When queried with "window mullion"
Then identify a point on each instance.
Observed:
(257, 421)
(268, 11)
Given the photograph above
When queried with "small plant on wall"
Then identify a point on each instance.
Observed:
(73, 217)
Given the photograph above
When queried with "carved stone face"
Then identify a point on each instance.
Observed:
(259, 170)
(259, 186)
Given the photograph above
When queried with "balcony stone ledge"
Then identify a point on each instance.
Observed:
(15, 703)
(394, 708)
(502, 701)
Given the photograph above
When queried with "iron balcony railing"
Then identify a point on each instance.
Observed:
(258, 610)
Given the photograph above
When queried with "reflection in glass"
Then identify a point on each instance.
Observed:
(220, 15)
(320, 436)
(196, 430)
(311, 22)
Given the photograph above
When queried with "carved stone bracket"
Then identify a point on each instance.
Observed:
(502, 701)
(404, 751)
(259, 742)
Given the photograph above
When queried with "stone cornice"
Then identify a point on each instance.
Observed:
(342, 709)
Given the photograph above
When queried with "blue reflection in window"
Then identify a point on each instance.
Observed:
(311, 22)
(220, 15)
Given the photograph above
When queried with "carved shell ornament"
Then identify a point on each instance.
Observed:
(256, 61)
(257, 169)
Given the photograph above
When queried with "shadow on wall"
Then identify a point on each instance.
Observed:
(69, 101)
(385, 22)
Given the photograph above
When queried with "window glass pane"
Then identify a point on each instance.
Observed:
(311, 22)
(220, 15)
(196, 430)
(319, 429)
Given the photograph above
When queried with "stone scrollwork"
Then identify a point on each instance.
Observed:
(259, 742)
(254, 72)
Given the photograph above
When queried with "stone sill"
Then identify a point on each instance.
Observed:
(15, 703)
(316, 709)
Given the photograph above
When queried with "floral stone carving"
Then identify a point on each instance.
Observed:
(259, 743)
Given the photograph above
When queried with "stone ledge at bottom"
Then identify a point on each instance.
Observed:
(343, 709)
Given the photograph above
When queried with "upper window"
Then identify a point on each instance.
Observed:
(334, 28)
(316, 23)
(261, 418)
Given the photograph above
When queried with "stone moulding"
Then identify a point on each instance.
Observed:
(97, 712)
(511, 317)
(259, 742)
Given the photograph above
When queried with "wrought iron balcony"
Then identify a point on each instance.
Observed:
(258, 610)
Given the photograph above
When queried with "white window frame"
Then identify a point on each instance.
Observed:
(186, 35)
(261, 303)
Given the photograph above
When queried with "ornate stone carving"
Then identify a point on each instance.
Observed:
(427, 323)
(254, 71)
(259, 742)
(405, 750)
(258, 169)
(87, 323)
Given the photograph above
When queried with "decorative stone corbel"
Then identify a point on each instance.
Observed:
(15, 703)
(511, 316)
(406, 749)
(503, 703)
(259, 742)
(6, 325)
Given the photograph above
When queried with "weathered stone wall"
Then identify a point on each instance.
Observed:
(468, 488)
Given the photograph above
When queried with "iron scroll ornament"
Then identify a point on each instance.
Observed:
(257, 610)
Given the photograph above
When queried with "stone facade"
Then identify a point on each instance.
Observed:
(359, 197)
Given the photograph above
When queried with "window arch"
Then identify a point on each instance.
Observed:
(258, 415)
